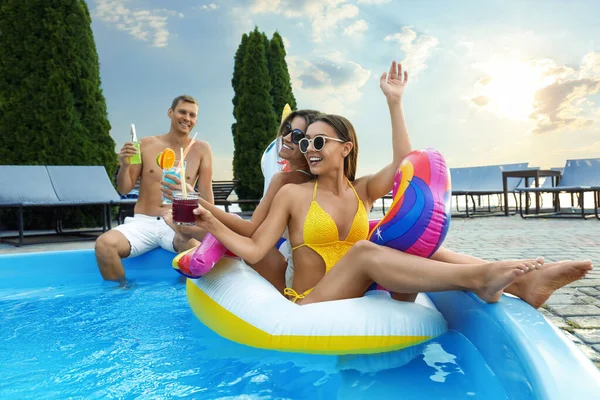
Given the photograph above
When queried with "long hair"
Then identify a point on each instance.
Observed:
(308, 115)
(345, 131)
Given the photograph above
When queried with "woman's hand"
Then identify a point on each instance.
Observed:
(204, 218)
(393, 84)
(168, 187)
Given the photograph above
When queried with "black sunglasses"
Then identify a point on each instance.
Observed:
(318, 143)
(297, 134)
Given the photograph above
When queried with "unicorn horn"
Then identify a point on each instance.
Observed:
(287, 110)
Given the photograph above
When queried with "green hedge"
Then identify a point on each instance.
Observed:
(52, 110)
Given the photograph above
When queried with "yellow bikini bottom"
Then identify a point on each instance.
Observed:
(293, 295)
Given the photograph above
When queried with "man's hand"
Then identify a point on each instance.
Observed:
(185, 232)
(128, 150)
(393, 85)
(168, 188)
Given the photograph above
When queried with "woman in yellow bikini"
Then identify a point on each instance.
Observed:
(328, 225)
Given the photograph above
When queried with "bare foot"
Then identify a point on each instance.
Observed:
(498, 275)
(537, 287)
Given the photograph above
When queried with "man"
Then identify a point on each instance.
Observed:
(147, 230)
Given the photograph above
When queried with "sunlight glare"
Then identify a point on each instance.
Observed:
(510, 87)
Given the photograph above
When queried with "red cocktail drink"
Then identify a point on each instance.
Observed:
(183, 208)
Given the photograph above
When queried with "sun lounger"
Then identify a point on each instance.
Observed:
(78, 184)
(482, 181)
(56, 186)
(579, 177)
(85, 185)
(24, 186)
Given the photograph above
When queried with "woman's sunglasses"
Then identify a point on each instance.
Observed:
(297, 134)
(318, 143)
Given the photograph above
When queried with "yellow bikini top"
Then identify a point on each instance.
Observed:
(321, 233)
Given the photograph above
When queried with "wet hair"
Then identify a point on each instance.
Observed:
(345, 131)
(308, 115)
(183, 98)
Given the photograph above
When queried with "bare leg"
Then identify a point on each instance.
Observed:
(534, 288)
(272, 267)
(111, 247)
(443, 255)
(404, 273)
(181, 244)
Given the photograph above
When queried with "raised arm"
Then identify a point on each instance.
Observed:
(252, 249)
(128, 174)
(205, 173)
(392, 86)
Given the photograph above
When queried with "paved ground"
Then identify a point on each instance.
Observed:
(575, 308)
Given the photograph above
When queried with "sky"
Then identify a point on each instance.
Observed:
(490, 82)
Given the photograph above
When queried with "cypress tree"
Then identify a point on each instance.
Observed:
(237, 72)
(281, 86)
(267, 50)
(256, 118)
(52, 110)
(236, 82)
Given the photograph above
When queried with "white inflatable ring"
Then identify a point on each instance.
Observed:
(237, 303)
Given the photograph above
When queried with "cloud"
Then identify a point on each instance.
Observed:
(325, 16)
(373, 1)
(590, 66)
(559, 106)
(405, 37)
(465, 48)
(242, 20)
(145, 25)
(485, 80)
(288, 8)
(356, 28)
(417, 48)
(480, 101)
(329, 83)
(554, 97)
(209, 7)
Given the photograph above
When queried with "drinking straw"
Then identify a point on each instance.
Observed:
(133, 134)
(187, 149)
(182, 174)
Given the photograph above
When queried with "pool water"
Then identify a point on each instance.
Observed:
(70, 335)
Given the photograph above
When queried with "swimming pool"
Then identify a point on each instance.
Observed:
(67, 334)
